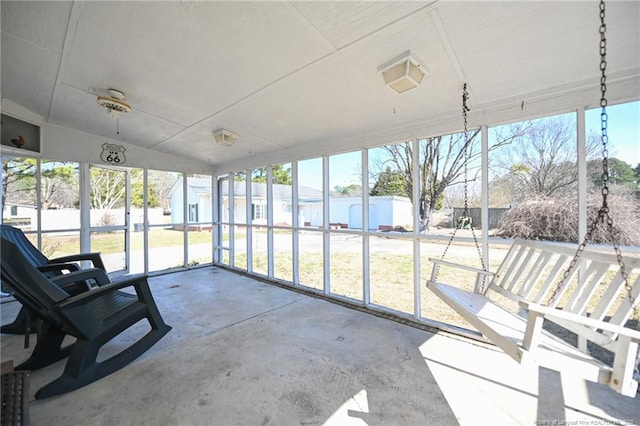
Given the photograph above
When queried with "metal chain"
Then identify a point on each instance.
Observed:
(465, 110)
(603, 214)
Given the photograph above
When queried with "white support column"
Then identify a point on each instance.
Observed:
(249, 222)
(415, 178)
(270, 252)
(484, 213)
(232, 219)
(145, 218)
(85, 208)
(295, 221)
(325, 225)
(39, 203)
(216, 205)
(185, 221)
(581, 142)
(582, 173)
(366, 270)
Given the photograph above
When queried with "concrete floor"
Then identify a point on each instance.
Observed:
(243, 352)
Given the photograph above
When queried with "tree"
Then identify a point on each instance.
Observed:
(137, 194)
(352, 190)
(160, 183)
(281, 174)
(58, 184)
(107, 188)
(18, 179)
(389, 182)
(441, 165)
(505, 188)
(620, 173)
(541, 161)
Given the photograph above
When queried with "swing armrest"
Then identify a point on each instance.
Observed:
(459, 266)
(535, 309)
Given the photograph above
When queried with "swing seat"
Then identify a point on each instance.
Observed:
(592, 307)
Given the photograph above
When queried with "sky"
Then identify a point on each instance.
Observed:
(623, 131)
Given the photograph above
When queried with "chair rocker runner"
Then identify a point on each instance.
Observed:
(50, 267)
(583, 300)
(93, 318)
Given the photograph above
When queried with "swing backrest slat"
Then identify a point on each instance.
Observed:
(594, 287)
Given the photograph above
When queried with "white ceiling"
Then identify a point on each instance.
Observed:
(295, 78)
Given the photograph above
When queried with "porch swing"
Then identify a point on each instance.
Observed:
(585, 297)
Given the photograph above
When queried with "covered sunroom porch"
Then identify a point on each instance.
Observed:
(244, 351)
(299, 87)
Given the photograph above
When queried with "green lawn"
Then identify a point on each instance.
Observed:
(113, 242)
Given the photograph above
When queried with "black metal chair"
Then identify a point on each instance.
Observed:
(50, 267)
(93, 317)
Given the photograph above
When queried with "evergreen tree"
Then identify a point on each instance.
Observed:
(389, 182)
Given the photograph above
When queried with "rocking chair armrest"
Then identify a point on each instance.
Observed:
(459, 266)
(94, 257)
(96, 274)
(536, 309)
(58, 267)
(138, 282)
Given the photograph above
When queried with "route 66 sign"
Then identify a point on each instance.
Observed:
(113, 154)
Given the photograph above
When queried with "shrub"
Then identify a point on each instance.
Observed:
(556, 219)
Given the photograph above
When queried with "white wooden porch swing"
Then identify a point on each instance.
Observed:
(590, 295)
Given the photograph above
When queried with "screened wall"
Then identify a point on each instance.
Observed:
(140, 220)
(360, 226)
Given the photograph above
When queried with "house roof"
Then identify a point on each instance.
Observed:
(258, 190)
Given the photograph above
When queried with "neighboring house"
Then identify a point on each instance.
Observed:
(17, 211)
(384, 211)
(198, 202)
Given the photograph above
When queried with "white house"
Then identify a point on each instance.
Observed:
(384, 211)
(198, 201)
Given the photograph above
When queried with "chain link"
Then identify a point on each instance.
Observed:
(465, 213)
(603, 213)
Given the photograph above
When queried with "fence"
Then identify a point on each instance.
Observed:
(495, 216)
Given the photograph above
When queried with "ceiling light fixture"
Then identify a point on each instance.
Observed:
(225, 136)
(114, 103)
(404, 72)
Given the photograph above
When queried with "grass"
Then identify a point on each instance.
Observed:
(113, 242)
(391, 266)
(391, 279)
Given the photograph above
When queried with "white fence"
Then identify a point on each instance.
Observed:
(27, 217)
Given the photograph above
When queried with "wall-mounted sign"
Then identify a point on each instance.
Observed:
(113, 154)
